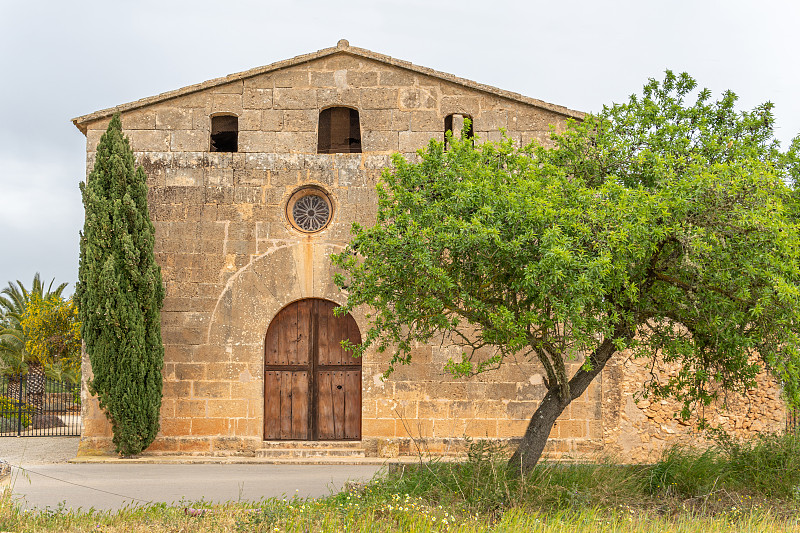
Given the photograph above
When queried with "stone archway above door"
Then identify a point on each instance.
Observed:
(255, 293)
(312, 386)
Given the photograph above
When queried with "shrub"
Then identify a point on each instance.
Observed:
(9, 414)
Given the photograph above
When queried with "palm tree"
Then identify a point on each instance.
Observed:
(12, 355)
(12, 350)
(14, 301)
(14, 298)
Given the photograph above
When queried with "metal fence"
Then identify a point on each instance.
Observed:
(33, 406)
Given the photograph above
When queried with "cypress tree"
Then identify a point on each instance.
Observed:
(119, 294)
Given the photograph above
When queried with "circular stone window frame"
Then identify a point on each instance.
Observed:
(303, 192)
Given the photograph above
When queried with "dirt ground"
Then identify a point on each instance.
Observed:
(38, 450)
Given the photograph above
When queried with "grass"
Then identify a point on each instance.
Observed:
(732, 487)
(404, 515)
(767, 467)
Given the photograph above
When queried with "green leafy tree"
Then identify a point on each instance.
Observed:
(658, 226)
(14, 298)
(119, 294)
(53, 336)
(18, 362)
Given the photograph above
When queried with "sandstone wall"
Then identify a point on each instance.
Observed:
(230, 261)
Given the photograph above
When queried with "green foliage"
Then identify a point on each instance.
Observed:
(9, 410)
(119, 294)
(53, 334)
(724, 479)
(662, 133)
(484, 484)
(718, 296)
(660, 226)
(480, 484)
(768, 466)
(442, 496)
(14, 298)
(12, 352)
(65, 372)
(15, 306)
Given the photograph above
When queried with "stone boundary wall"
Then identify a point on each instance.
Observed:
(639, 430)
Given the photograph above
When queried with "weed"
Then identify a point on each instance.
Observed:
(767, 466)
(689, 491)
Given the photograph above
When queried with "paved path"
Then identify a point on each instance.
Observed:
(46, 479)
(92, 485)
(38, 450)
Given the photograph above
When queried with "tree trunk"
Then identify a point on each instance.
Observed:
(14, 385)
(36, 382)
(10, 416)
(530, 449)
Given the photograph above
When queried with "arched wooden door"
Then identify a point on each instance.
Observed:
(312, 386)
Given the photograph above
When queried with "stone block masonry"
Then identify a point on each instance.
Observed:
(231, 259)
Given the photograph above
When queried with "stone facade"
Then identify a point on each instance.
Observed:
(231, 260)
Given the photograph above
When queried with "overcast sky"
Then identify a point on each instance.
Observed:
(62, 59)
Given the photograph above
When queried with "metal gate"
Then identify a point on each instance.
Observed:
(38, 408)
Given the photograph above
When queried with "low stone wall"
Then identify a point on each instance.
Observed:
(640, 429)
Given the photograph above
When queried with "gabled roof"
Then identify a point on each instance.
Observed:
(342, 47)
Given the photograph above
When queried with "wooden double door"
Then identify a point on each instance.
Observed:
(312, 386)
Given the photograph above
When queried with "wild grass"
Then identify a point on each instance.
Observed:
(732, 487)
(730, 476)
(406, 515)
(766, 467)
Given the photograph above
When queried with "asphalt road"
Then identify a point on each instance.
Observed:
(45, 479)
(112, 486)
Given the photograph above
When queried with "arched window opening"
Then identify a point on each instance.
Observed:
(225, 133)
(455, 123)
(339, 131)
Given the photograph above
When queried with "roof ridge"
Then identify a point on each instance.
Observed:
(342, 47)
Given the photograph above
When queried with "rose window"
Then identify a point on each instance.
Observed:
(309, 209)
(311, 213)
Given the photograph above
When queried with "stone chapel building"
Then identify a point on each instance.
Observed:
(254, 180)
